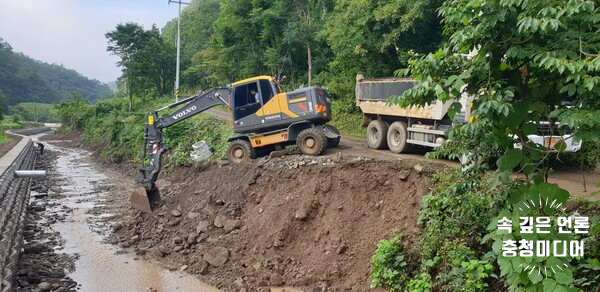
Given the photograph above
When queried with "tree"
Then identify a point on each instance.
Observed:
(375, 37)
(307, 19)
(126, 41)
(3, 105)
(520, 60)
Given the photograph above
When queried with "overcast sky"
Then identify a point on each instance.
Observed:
(71, 32)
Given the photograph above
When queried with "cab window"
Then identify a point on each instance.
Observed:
(245, 101)
(266, 91)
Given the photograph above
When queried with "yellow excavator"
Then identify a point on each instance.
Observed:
(261, 114)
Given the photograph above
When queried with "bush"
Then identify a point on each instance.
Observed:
(389, 265)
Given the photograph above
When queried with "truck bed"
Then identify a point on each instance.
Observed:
(372, 96)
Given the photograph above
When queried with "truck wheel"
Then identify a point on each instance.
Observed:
(396, 137)
(240, 151)
(376, 134)
(311, 142)
(332, 143)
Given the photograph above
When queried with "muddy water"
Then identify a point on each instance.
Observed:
(100, 267)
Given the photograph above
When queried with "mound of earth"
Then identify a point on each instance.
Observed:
(305, 222)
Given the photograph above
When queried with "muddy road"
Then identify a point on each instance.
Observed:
(70, 217)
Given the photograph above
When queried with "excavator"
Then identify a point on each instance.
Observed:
(263, 117)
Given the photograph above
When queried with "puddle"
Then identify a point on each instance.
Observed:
(100, 267)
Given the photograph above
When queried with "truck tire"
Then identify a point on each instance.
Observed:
(396, 137)
(240, 151)
(376, 134)
(332, 143)
(311, 142)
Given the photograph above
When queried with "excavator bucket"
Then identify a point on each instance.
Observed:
(145, 200)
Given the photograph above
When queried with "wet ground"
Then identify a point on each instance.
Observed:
(73, 225)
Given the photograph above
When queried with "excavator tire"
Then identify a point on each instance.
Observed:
(240, 151)
(311, 142)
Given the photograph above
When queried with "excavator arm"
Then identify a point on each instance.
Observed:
(145, 198)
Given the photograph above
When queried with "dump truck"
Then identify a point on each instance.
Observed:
(261, 114)
(399, 129)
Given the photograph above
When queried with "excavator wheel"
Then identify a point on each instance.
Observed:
(240, 151)
(311, 142)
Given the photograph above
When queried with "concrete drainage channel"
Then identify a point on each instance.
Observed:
(15, 181)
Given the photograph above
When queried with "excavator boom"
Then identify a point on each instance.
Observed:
(147, 197)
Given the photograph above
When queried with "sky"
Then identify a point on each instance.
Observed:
(71, 32)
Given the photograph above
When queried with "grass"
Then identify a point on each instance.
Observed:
(4, 138)
(349, 124)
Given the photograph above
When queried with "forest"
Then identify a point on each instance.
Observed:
(323, 43)
(23, 79)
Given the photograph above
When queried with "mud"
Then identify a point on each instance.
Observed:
(311, 223)
(67, 225)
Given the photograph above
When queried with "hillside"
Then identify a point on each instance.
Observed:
(23, 79)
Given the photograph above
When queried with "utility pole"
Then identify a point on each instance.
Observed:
(178, 47)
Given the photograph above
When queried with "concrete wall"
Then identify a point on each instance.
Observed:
(14, 198)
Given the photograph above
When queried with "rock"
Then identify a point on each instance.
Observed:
(175, 213)
(183, 268)
(203, 269)
(193, 215)
(135, 238)
(404, 174)
(191, 239)
(178, 248)
(174, 222)
(276, 280)
(164, 250)
(301, 214)
(419, 169)
(202, 226)
(45, 286)
(342, 249)
(238, 284)
(217, 256)
(177, 240)
(275, 154)
(571, 206)
(231, 225)
(219, 221)
(117, 227)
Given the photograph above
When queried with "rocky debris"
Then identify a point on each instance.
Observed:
(419, 169)
(289, 220)
(219, 221)
(40, 268)
(202, 226)
(217, 256)
(175, 213)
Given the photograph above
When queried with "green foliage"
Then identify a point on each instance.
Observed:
(40, 112)
(4, 138)
(517, 60)
(73, 112)
(3, 105)
(147, 60)
(389, 265)
(23, 79)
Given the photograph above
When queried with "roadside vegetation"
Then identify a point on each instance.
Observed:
(109, 124)
(505, 53)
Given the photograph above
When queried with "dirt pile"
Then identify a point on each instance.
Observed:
(41, 266)
(306, 222)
